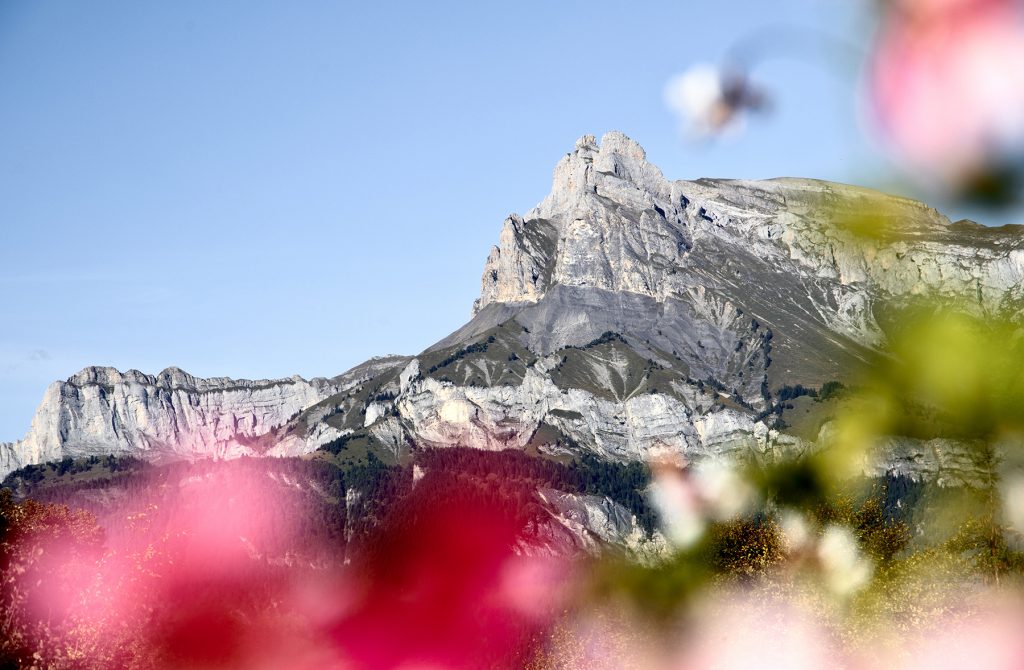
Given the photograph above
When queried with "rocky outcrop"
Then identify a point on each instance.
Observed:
(586, 524)
(640, 427)
(173, 415)
(613, 222)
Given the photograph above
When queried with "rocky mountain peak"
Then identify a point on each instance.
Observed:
(609, 215)
(597, 190)
(617, 155)
(96, 374)
(175, 377)
(598, 170)
(613, 222)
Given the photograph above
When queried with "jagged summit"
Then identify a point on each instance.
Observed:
(169, 378)
(613, 222)
(108, 376)
(521, 266)
(618, 156)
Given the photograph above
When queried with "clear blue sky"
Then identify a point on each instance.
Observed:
(266, 189)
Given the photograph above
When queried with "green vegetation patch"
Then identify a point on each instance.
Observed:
(494, 358)
(355, 449)
(608, 367)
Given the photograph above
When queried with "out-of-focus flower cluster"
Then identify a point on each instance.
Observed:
(221, 577)
(944, 84)
(866, 568)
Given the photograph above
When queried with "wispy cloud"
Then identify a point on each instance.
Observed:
(33, 357)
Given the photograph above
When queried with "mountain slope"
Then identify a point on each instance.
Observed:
(626, 315)
(174, 415)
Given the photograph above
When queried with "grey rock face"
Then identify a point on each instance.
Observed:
(174, 415)
(613, 222)
(777, 250)
(626, 315)
(585, 524)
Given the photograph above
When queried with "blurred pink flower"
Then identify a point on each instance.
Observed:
(742, 632)
(687, 498)
(946, 82)
(443, 585)
(990, 639)
(220, 574)
(678, 503)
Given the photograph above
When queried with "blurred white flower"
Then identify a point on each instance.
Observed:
(796, 533)
(678, 505)
(725, 494)
(686, 499)
(846, 569)
(1012, 491)
(709, 101)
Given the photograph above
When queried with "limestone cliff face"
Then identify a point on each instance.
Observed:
(613, 222)
(173, 415)
(722, 290)
(626, 316)
(681, 419)
(582, 524)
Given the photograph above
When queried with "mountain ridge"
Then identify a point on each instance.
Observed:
(625, 315)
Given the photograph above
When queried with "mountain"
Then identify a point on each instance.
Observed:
(174, 415)
(625, 316)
